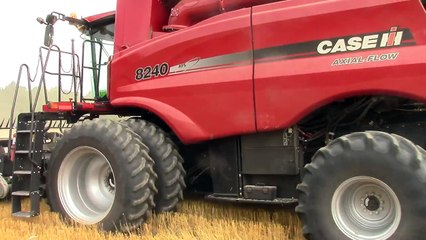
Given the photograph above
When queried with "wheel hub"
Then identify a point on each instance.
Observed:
(109, 181)
(372, 203)
(366, 208)
(86, 185)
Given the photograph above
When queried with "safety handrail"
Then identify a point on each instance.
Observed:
(42, 63)
(96, 65)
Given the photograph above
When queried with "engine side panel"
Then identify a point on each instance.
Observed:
(310, 52)
(136, 20)
(307, 53)
(200, 80)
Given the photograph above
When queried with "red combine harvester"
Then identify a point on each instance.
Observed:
(314, 102)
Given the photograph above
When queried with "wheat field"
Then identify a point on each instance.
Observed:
(195, 219)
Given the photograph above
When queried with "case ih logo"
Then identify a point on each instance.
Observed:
(370, 41)
(363, 42)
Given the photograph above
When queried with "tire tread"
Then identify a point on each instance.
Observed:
(168, 164)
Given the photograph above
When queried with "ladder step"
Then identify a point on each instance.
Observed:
(22, 172)
(26, 178)
(24, 214)
(25, 131)
(22, 151)
(21, 193)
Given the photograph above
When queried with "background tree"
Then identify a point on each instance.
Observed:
(22, 101)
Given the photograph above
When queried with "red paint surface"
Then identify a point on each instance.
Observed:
(99, 16)
(242, 99)
(288, 90)
(189, 12)
(197, 106)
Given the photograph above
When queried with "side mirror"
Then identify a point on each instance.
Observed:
(48, 36)
(51, 19)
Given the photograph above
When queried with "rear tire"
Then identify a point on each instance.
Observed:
(168, 164)
(365, 186)
(100, 173)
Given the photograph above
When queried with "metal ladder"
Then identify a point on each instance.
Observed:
(28, 165)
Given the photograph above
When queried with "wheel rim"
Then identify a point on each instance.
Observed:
(366, 208)
(86, 185)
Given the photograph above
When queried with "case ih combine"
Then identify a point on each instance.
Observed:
(272, 102)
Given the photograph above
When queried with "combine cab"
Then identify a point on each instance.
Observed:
(319, 103)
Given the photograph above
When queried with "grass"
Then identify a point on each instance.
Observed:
(195, 220)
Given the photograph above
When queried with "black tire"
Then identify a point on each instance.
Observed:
(168, 164)
(50, 141)
(387, 171)
(115, 181)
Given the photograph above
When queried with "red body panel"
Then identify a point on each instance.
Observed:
(97, 17)
(135, 21)
(189, 12)
(204, 104)
(211, 89)
(287, 90)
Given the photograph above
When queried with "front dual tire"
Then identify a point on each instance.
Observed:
(101, 173)
(168, 164)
